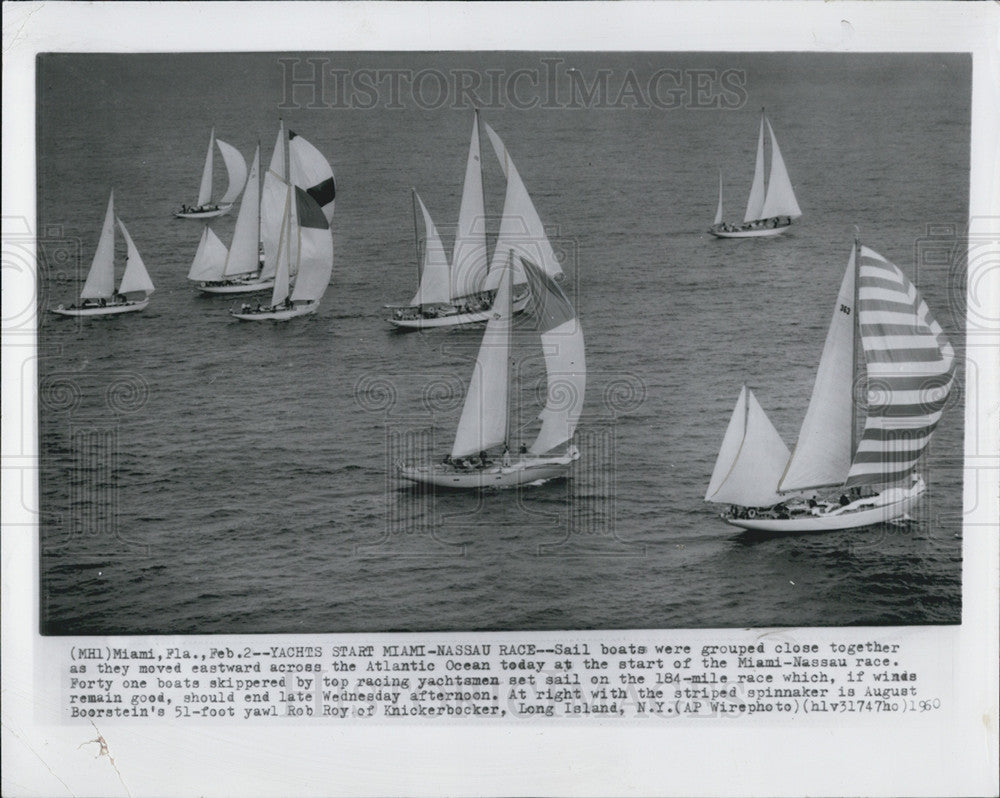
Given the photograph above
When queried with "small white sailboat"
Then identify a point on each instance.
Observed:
(462, 291)
(482, 455)
(295, 230)
(770, 210)
(834, 479)
(98, 297)
(239, 269)
(236, 168)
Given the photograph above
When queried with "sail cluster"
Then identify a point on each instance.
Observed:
(521, 234)
(100, 282)
(910, 369)
(236, 170)
(777, 197)
(484, 420)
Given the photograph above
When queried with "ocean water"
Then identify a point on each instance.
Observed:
(201, 475)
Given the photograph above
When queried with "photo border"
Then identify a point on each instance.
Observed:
(955, 755)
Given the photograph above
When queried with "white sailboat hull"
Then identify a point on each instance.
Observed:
(236, 287)
(454, 319)
(524, 471)
(886, 506)
(761, 232)
(107, 310)
(280, 314)
(222, 210)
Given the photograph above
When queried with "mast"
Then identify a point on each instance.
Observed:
(257, 188)
(482, 184)
(755, 202)
(416, 232)
(856, 328)
(289, 202)
(718, 210)
(510, 360)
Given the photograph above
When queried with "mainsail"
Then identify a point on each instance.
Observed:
(273, 202)
(521, 230)
(484, 415)
(910, 369)
(100, 282)
(469, 257)
(750, 460)
(244, 255)
(822, 455)
(755, 202)
(780, 200)
(287, 264)
(435, 275)
(136, 278)
(565, 365)
(777, 198)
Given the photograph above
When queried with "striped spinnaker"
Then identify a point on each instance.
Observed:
(910, 369)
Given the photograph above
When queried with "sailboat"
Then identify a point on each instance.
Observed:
(236, 167)
(485, 427)
(296, 209)
(239, 269)
(98, 297)
(771, 210)
(835, 479)
(462, 291)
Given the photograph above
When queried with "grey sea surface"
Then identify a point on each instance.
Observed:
(202, 475)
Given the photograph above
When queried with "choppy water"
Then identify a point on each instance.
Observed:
(203, 475)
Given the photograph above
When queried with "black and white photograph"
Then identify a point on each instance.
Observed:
(495, 342)
(588, 262)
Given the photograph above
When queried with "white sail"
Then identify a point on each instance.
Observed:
(484, 416)
(205, 190)
(718, 210)
(315, 249)
(910, 367)
(780, 200)
(274, 197)
(310, 170)
(210, 260)
(283, 267)
(565, 364)
(521, 230)
(244, 255)
(469, 256)
(755, 202)
(136, 278)
(236, 168)
(750, 460)
(100, 283)
(435, 275)
(822, 454)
